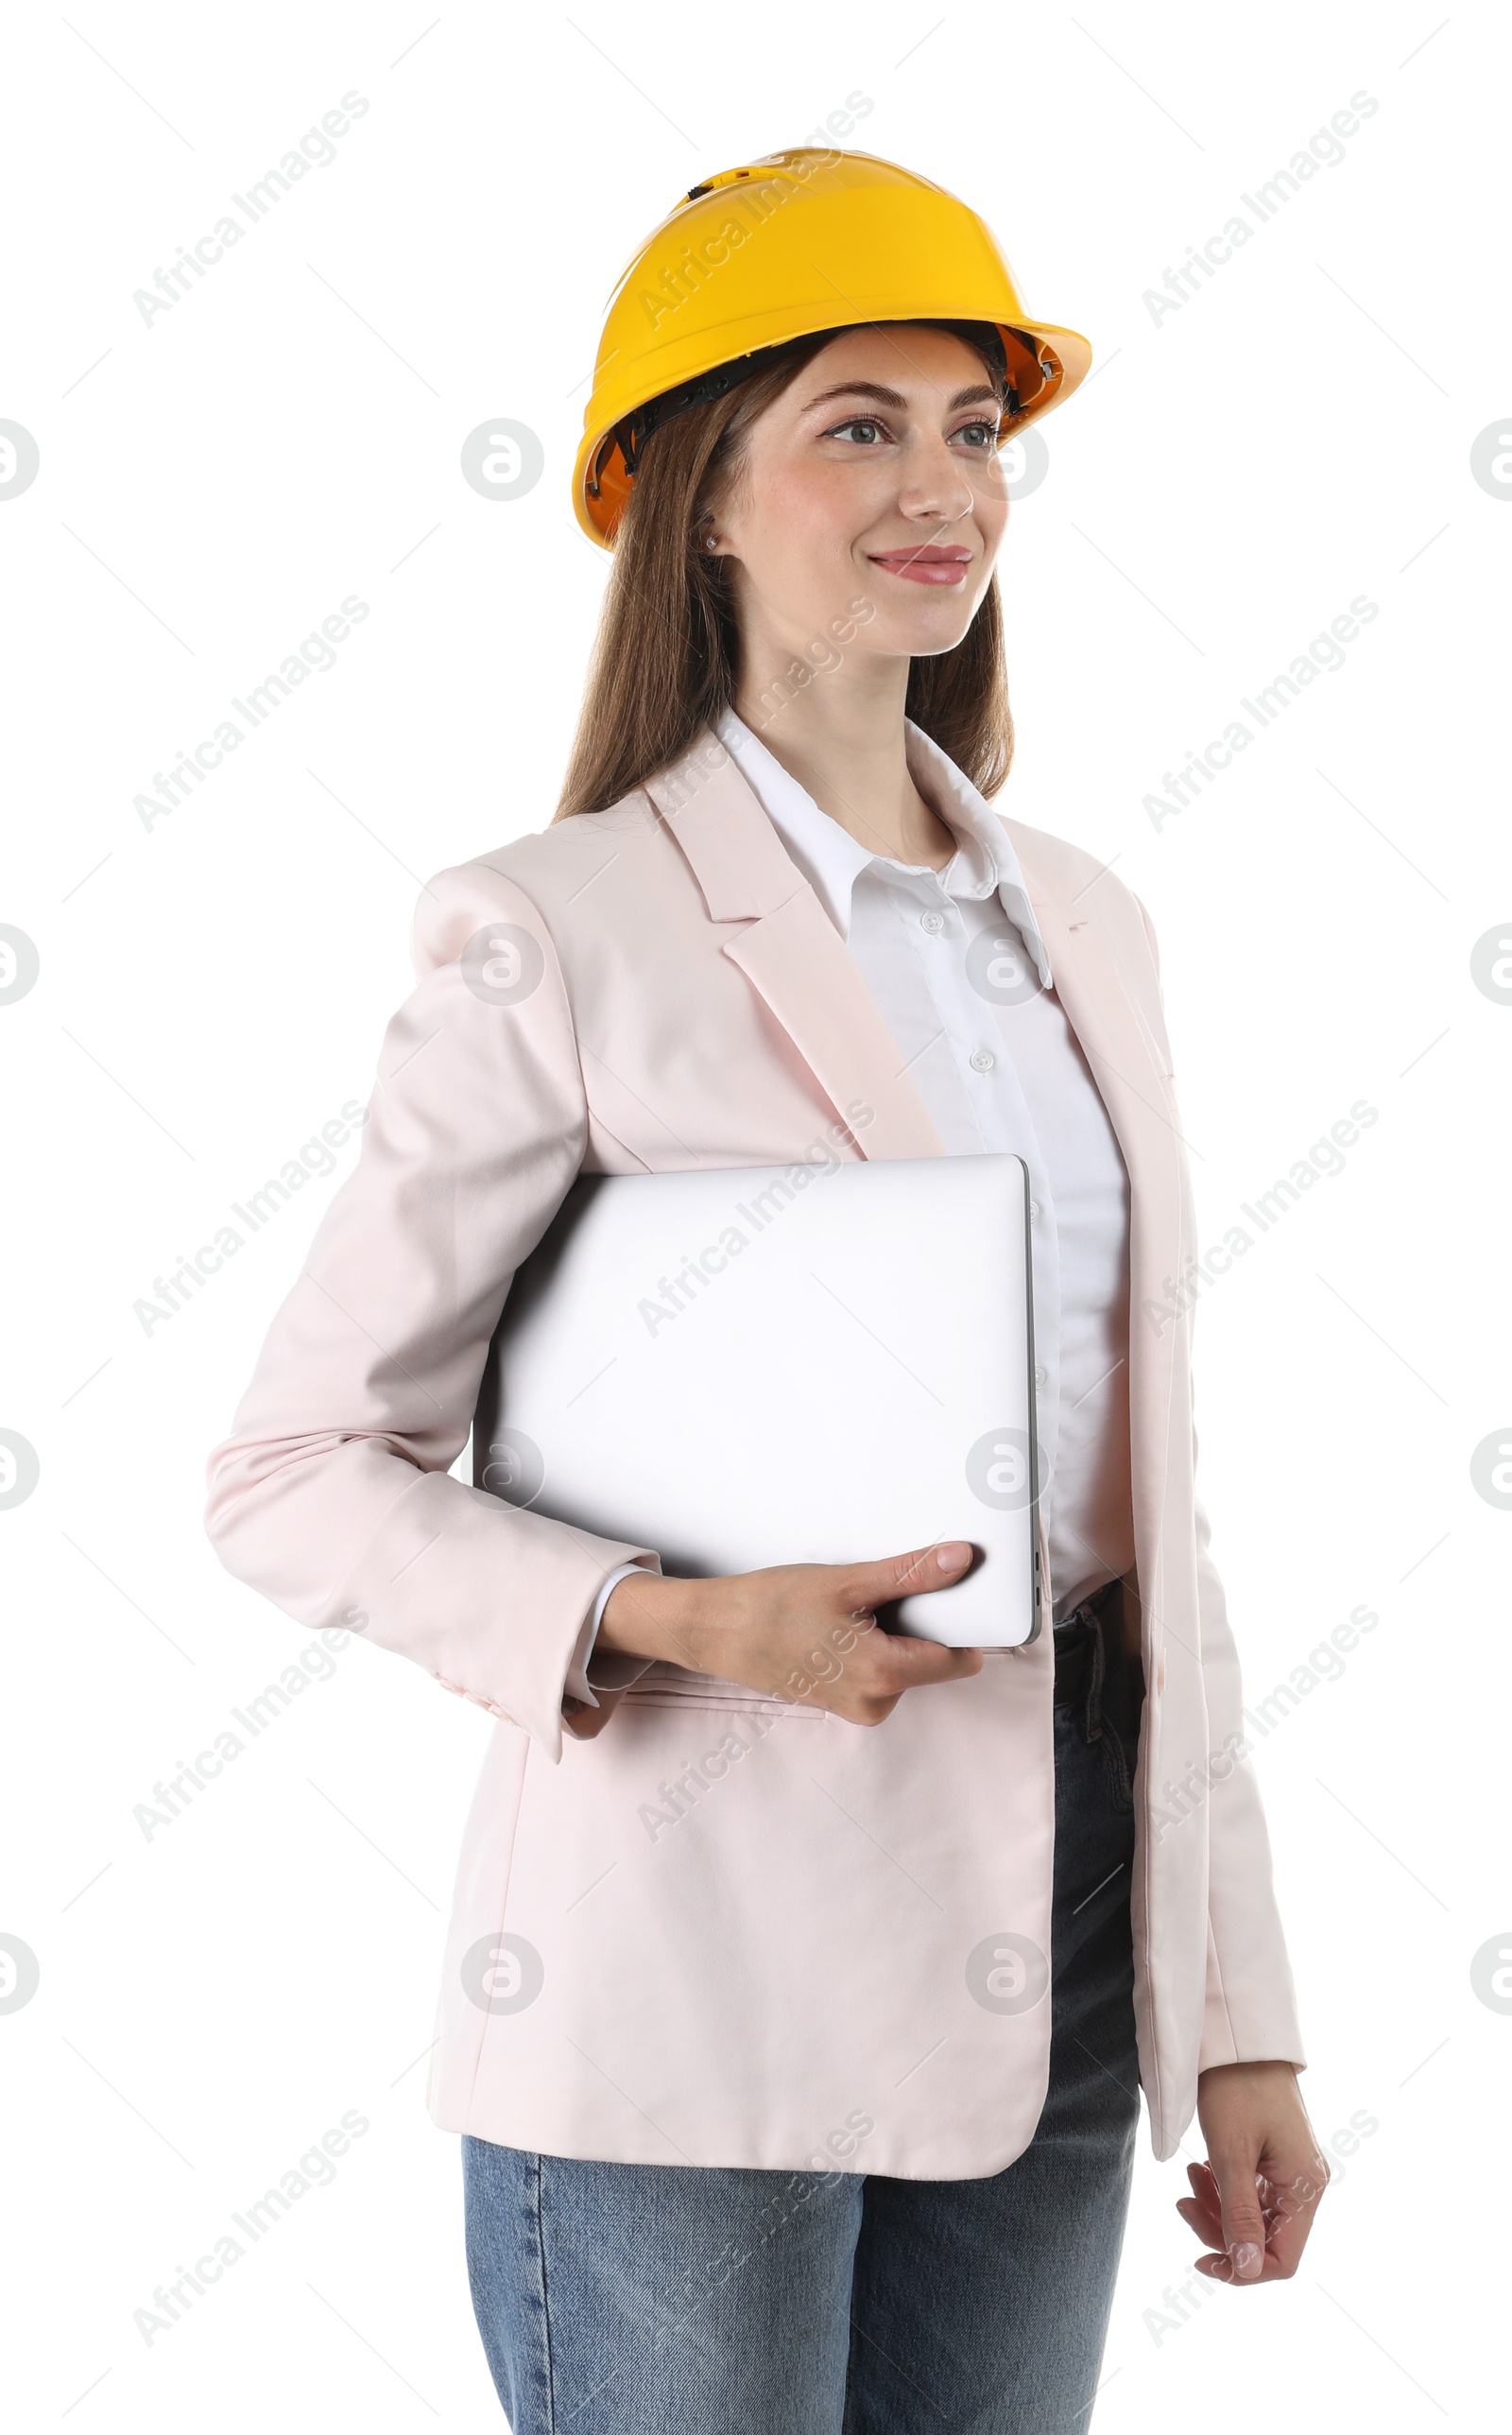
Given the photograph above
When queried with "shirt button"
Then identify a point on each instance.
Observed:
(983, 1061)
(1033, 1208)
(1040, 1377)
(933, 923)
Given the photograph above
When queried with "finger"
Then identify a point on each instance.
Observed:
(1205, 2190)
(1244, 2222)
(916, 1656)
(896, 1577)
(1289, 2183)
(1288, 2239)
(1204, 2193)
(1203, 2221)
(899, 1662)
(1290, 2214)
(866, 1694)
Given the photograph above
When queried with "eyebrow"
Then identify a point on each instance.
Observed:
(895, 397)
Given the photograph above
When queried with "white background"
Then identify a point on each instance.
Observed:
(212, 989)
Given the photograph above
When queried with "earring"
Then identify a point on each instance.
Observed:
(709, 542)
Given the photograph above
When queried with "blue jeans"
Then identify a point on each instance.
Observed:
(642, 2299)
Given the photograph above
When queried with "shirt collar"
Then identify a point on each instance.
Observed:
(831, 859)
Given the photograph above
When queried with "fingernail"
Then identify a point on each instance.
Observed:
(956, 1553)
(1248, 2260)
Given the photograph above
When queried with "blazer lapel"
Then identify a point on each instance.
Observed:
(1130, 1069)
(790, 951)
(1119, 1047)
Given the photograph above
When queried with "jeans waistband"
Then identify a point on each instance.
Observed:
(1096, 1676)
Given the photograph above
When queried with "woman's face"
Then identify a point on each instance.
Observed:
(873, 479)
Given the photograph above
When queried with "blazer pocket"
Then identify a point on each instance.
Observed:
(676, 1686)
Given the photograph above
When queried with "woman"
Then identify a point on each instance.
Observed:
(801, 1975)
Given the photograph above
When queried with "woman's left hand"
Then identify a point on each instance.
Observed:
(1254, 2199)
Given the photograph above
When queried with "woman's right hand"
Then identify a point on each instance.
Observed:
(796, 1632)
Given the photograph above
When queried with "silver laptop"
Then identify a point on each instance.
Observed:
(751, 1365)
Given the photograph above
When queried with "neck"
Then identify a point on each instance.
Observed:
(841, 736)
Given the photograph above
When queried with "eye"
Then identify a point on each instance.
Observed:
(988, 431)
(865, 422)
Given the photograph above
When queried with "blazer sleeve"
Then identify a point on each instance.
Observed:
(332, 1494)
(1250, 2008)
(1249, 2014)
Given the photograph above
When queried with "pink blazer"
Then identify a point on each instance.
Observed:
(728, 1930)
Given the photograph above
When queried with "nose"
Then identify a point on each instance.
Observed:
(934, 487)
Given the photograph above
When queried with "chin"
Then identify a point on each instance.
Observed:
(921, 638)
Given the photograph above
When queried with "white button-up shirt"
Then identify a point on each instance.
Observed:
(955, 964)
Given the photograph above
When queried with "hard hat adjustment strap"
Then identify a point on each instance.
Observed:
(633, 430)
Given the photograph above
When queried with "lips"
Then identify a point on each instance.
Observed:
(928, 563)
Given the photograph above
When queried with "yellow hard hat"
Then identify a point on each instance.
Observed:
(794, 243)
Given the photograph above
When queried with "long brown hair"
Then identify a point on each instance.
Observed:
(668, 653)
